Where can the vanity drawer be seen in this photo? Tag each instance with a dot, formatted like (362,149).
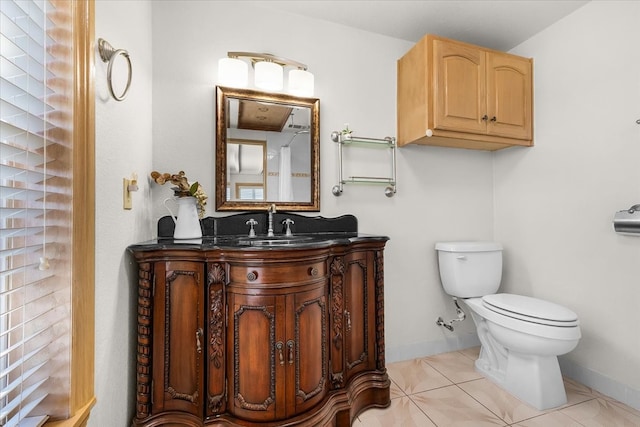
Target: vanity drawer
(277,273)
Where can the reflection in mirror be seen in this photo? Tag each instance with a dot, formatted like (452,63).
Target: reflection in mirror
(267,151)
(246,165)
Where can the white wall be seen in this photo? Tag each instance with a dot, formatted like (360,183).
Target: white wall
(123,146)
(555,202)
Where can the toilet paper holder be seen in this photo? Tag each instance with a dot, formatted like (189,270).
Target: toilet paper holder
(627,221)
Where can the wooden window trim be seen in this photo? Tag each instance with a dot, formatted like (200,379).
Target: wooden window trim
(82,396)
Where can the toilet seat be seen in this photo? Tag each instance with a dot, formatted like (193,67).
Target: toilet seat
(530,309)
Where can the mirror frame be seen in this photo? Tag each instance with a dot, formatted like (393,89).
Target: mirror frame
(222,96)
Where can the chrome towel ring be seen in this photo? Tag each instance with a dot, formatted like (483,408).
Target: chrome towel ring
(109,54)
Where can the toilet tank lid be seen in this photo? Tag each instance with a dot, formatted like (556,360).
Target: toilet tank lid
(468,246)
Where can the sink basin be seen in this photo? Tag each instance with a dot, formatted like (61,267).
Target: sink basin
(273,241)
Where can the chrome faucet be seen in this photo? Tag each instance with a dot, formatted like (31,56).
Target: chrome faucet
(272,210)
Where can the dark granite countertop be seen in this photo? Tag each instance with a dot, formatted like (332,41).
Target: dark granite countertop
(260,242)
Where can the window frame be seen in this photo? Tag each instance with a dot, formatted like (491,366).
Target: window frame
(82,397)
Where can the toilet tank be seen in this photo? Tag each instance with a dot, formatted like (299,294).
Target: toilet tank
(470,269)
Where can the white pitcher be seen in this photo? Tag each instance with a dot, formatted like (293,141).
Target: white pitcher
(187,221)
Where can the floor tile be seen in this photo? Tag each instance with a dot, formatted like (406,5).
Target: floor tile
(402,413)
(413,376)
(602,413)
(455,366)
(506,406)
(395,391)
(577,393)
(472,353)
(552,419)
(452,407)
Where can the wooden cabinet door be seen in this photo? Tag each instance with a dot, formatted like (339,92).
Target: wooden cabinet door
(459,87)
(178,340)
(509,96)
(359,313)
(307,379)
(255,340)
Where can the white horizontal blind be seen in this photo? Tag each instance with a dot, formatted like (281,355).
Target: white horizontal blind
(36,94)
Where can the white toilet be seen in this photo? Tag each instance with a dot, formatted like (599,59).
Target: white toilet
(521,337)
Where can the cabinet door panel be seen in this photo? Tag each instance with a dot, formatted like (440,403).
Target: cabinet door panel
(509,96)
(252,335)
(311,354)
(459,93)
(182,347)
(359,313)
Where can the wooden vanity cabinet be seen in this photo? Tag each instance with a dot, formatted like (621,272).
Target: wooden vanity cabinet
(464,96)
(237,337)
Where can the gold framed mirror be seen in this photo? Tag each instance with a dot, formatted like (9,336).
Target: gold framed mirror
(267,151)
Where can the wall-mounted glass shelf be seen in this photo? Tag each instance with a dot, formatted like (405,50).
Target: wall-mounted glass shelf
(347,139)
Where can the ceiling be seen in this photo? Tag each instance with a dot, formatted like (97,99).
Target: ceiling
(496,24)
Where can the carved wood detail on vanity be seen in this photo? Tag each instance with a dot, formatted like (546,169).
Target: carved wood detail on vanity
(379,274)
(143,368)
(216,390)
(337,308)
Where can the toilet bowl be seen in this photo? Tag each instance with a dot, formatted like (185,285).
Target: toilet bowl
(521,336)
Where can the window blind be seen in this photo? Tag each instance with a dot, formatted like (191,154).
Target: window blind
(36,112)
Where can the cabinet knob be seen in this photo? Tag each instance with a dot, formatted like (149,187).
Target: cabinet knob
(493,119)
(313,271)
(252,275)
(485,118)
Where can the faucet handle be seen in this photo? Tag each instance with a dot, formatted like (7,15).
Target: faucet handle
(287,223)
(251,222)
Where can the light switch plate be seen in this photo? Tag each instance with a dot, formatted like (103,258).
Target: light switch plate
(127,203)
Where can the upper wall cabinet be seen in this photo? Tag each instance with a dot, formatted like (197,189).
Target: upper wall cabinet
(454,94)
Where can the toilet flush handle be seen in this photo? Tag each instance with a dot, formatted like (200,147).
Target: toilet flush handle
(461,257)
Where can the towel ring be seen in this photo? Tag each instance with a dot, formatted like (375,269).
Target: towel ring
(109,54)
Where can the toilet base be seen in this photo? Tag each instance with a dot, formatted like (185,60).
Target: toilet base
(536,380)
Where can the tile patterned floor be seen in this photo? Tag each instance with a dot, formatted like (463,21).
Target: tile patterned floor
(445,391)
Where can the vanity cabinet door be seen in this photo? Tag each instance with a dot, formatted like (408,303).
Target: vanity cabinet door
(178,338)
(279,359)
(256,349)
(307,377)
(359,313)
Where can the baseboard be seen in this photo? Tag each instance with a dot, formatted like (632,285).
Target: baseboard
(600,383)
(429,348)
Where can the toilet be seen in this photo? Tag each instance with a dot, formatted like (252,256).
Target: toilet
(521,336)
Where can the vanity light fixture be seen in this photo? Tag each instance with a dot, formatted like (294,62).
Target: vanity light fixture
(268,73)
